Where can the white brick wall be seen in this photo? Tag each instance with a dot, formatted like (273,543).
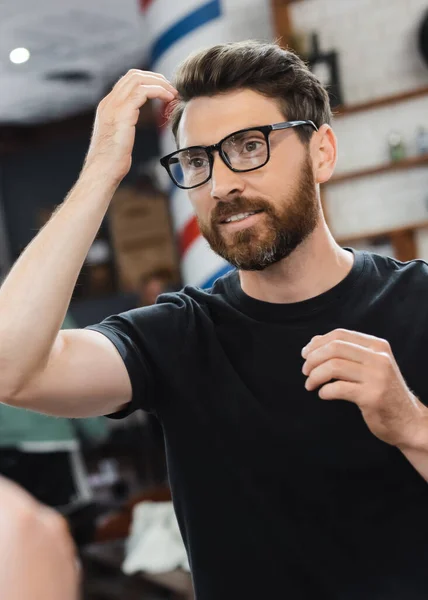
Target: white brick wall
(376,42)
(384,201)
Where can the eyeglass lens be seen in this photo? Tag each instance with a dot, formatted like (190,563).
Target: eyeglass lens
(243,152)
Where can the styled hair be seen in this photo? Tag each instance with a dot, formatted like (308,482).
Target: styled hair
(262,67)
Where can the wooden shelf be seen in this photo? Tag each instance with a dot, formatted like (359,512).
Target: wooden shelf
(341,111)
(406,163)
(381,233)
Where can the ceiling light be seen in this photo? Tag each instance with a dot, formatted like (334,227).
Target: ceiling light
(19,55)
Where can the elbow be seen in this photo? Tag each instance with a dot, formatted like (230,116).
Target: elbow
(8,396)
(10,392)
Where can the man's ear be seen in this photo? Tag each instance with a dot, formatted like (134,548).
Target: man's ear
(324,153)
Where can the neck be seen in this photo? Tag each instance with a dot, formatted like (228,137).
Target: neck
(313,268)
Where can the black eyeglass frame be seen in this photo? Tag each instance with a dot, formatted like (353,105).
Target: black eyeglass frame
(265,129)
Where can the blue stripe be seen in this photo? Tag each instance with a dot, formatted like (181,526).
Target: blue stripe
(202,15)
(210,282)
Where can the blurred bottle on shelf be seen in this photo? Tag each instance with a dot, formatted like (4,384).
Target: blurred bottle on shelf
(397,150)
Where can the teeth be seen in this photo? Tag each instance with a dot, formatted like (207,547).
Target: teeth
(239,217)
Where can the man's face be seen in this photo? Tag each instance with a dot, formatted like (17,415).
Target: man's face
(283,192)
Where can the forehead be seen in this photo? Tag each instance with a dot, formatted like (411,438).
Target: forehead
(206,120)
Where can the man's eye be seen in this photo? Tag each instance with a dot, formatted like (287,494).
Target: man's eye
(252,146)
(197,163)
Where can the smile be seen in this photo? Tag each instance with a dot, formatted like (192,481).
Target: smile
(240,216)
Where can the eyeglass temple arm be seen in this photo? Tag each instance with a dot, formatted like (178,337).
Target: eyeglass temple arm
(293,124)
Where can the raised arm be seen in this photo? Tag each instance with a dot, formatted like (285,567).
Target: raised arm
(37,361)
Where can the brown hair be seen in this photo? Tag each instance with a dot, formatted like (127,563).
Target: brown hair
(263,67)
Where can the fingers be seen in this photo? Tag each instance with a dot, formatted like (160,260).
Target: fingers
(134,79)
(336,368)
(132,91)
(345,335)
(345,357)
(132,72)
(154,91)
(336,349)
(135,73)
(338,355)
(343,390)
(116,117)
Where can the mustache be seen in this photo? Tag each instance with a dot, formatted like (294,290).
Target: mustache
(224,210)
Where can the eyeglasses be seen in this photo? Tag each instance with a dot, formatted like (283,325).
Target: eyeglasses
(242,151)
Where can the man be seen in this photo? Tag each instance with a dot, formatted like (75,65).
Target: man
(38,555)
(292,394)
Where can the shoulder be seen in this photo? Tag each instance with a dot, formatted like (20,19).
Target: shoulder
(395,287)
(170,321)
(415,270)
(172,313)
(194,299)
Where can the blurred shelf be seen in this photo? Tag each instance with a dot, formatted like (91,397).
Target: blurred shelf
(396,231)
(341,111)
(407,163)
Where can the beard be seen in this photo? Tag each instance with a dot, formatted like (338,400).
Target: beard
(283,229)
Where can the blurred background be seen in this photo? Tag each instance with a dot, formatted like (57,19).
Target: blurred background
(57,60)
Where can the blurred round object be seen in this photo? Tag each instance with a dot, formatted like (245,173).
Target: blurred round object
(423,37)
(98,253)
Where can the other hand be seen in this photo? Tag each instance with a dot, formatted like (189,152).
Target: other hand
(360,368)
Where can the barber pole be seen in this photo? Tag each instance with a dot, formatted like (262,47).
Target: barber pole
(177,28)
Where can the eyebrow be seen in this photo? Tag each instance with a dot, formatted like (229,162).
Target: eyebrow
(221,139)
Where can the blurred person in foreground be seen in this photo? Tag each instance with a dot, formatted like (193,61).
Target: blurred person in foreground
(293,393)
(38,558)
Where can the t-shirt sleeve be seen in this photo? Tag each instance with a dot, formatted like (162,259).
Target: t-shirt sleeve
(147,339)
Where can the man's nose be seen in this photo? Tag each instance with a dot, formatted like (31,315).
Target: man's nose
(225,183)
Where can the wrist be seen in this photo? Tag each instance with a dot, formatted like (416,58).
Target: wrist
(416,436)
(95,175)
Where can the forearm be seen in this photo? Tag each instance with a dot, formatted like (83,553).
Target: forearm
(35,296)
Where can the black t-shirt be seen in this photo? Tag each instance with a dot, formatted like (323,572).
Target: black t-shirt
(280,494)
